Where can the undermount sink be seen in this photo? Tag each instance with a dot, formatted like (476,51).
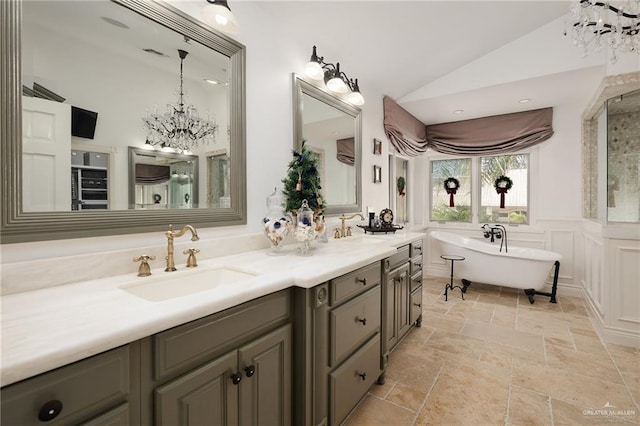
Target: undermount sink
(185,282)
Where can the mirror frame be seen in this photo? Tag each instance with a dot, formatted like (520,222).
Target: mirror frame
(301,87)
(19,226)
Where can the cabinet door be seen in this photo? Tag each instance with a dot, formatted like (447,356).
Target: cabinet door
(265,391)
(403,306)
(205,396)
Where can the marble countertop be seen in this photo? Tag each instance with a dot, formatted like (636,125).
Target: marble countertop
(51,327)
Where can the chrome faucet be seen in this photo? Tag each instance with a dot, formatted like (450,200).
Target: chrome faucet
(343,218)
(171,234)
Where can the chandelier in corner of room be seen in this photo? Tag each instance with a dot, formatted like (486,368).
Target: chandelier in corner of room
(180,128)
(615,24)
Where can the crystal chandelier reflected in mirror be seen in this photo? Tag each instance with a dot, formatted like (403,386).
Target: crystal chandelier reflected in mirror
(615,24)
(180,128)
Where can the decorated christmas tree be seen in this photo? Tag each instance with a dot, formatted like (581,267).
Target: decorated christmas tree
(303,181)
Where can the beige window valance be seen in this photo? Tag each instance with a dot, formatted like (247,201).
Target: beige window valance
(496,134)
(405,132)
(346,151)
(151,174)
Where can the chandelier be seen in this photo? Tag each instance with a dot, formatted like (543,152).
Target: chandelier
(597,24)
(180,128)
(335,80)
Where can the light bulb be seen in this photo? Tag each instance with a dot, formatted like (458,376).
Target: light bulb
(313,70)
(355,98)
(220,17)
(337,85)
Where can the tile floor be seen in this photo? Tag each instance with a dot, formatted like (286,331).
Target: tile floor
(495,359)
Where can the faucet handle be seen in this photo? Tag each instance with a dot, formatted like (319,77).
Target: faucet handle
(144,270)
(191,259)
(336,233)
(348,231)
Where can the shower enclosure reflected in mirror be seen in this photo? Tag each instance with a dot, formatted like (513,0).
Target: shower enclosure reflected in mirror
(332,129)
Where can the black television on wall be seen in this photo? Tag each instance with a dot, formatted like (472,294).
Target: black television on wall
(83,122)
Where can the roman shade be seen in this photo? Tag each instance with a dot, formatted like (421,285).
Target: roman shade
(150,174)
(496,134)
(346,151)
(405,132)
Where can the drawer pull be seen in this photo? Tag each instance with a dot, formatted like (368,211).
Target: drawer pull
(362,280)
(418,264)
(250,370)
(363,376)
(236,378)
(419,305)
(362,320)
(50,410)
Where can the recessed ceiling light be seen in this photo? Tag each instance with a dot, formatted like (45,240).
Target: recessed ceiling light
(524,101)
(458,111)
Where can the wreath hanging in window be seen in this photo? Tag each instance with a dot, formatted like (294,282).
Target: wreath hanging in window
(451,185)
(400,184)
(502,185)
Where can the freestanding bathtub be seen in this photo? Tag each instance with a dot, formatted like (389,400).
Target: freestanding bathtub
(521,267)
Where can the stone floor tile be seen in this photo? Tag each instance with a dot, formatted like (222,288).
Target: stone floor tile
(407,397)
(413,371)
(373,411)
(504,335)
(381,391)
(528,408)
(443,322)
(455,343)
(595,366)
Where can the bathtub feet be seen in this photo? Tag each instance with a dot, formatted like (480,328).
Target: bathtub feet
(530,293)
(554,288)
(465,284)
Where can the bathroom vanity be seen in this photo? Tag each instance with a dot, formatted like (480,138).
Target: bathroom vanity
(300,346)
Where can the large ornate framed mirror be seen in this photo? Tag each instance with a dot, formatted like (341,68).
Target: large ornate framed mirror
(93,75)
(332,129)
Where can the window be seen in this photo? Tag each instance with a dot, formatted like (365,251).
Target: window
(442,170)
(477,195)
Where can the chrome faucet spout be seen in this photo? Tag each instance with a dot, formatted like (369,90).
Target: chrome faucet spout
(171,234)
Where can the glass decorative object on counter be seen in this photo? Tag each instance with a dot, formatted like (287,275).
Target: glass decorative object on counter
(277,223)
(305,231)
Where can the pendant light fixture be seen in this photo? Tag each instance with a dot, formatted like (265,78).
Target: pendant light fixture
(217,14)
(335,80)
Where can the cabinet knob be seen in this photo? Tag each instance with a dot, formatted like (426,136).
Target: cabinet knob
(362,320)
(363,376)
(236,378)
(50,410)
(250,370)
(362,280)
(419,305)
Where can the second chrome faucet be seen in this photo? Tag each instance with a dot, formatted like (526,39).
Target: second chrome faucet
(171,234)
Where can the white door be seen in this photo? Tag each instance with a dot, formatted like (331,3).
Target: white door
(46,155)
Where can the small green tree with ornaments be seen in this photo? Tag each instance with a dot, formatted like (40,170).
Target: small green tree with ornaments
(303,181)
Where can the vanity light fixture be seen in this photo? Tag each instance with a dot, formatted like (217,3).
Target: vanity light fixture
(335,80)
(597,24)
(217,13)
(180,128)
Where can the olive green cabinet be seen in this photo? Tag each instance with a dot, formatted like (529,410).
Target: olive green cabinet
(99,390)
(248,386)
(233,367)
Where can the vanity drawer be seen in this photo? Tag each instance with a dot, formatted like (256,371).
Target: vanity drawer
(355,282)
(189,345)
(77,392)
(416,248)
(416,281)
(353,323)
(351,381)
(416,265)
(416,305)
(401,256)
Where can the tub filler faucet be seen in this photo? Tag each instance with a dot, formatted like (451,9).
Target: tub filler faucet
(496,232)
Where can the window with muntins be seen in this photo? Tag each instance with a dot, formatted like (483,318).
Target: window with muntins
(477,195)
